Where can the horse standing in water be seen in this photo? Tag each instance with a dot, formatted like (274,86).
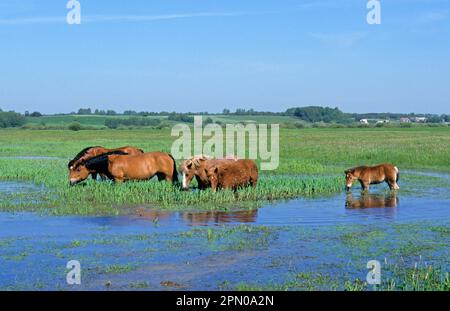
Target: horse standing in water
(91,152)
(369,175)
(121,167)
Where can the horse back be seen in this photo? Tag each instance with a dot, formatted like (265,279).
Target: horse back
(377,173)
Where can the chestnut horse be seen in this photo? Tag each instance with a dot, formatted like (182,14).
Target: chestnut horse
(93,166)
(121,167)
(195,167)
(232,174)
(90,152)
(368,175)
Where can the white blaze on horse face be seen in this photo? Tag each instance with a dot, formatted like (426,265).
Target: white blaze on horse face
(184,180)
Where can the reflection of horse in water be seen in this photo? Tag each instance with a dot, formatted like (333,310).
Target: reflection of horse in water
(152,214)
(200,218)
(371,201)
(203,218)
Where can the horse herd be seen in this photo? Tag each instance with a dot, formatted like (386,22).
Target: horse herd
(130,163)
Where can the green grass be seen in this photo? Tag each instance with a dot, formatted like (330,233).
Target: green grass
(401,279)
(119,268)
(311,162)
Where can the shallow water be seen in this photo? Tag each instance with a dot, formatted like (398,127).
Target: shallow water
(152,249)
(17,187)
(31,157)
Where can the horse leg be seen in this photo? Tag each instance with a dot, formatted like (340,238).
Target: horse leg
(393,184)
(364,186)
(161,176)
(168,179)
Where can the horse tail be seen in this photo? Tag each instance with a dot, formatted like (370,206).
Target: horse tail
(175,172)
(398,174)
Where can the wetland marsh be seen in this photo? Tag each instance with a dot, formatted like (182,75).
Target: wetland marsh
(298,230)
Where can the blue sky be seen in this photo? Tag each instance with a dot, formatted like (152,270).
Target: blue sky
(204,55)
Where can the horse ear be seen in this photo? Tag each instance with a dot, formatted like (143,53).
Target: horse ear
(216,170)
(189,166)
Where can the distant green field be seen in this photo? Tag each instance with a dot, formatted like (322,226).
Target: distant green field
(86,120)
(426,148)
(250,118)
(99,120)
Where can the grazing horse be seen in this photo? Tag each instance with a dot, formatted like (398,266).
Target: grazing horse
(195,167)
(368,175)
(121,167)
(232,174)
(90,152)
(95,165)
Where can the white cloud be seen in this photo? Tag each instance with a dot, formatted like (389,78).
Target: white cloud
(117,18)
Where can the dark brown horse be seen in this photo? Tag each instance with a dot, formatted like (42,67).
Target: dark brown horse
(232,174)
(368,175)
(91,152)
(121,167)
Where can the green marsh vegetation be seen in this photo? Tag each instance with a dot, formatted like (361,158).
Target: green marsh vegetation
(311,163)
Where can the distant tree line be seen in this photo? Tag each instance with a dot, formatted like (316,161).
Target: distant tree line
(315,114)
(35,114)
(309,114)
(114,123)
(11,119)
(88,111)
(250,112)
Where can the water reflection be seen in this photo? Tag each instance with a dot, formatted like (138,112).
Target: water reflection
(200,218)
(367,200)
(203,218)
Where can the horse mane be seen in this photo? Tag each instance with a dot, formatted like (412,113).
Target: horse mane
(196,159)
(80,154)
(100,162)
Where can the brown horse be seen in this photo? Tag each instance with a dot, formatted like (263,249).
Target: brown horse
(195,167)
(90,152)
(368,175)
(232,174)
(93,166)
(121,167)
